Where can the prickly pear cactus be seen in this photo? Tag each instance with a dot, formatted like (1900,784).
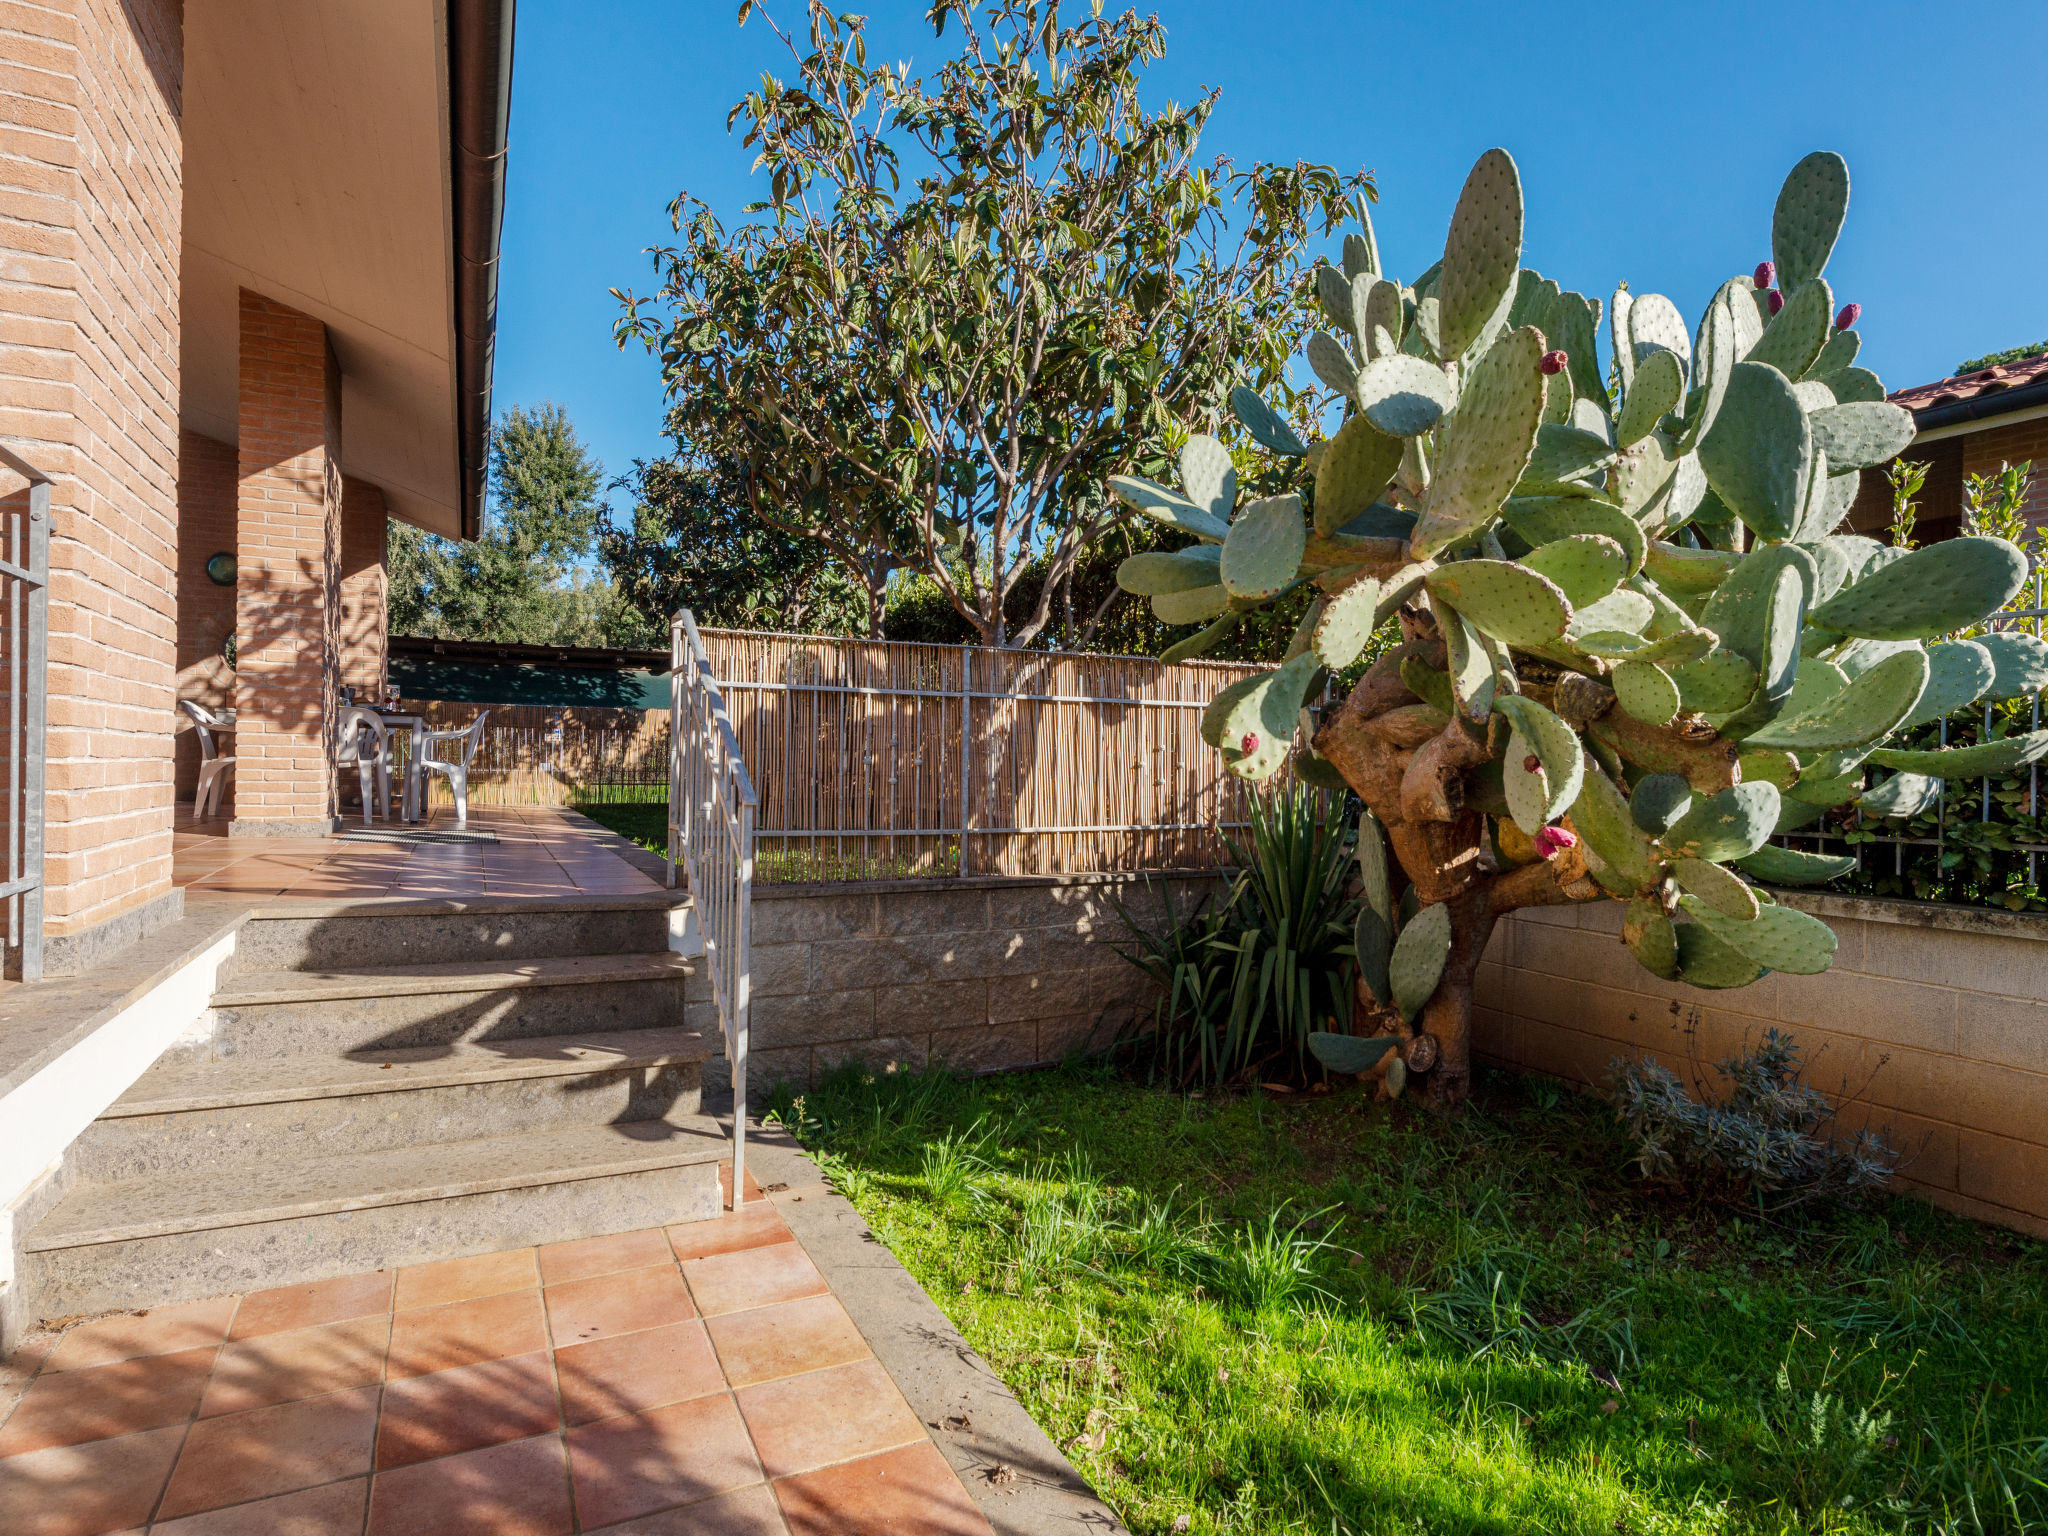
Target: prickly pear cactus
(1634,645)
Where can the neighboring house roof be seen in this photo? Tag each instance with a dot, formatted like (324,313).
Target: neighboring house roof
(554,676)
(1982,396)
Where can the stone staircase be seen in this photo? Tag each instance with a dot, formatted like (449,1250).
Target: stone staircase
(385,1083)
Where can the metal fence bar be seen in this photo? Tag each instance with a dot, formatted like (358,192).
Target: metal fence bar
(711,836)
(25,537)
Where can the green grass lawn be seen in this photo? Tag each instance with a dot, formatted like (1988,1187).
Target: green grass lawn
(646,823)
(1321,1314)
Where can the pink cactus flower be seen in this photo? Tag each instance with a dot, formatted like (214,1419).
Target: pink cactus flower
(1552,841)
(1777,301)
(1850,314)
(1250,744)
(1553,362)
(1765,272)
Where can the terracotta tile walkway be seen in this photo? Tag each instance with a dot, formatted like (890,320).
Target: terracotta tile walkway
(539,852)
(701,1381)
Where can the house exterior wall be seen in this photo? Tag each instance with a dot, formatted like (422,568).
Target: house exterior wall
(206,612)
(90,220)
(365,524)
(1933,1019)
(288,587)
(2025,441)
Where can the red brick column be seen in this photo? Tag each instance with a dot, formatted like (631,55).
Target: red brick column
(288,591)
(364,525)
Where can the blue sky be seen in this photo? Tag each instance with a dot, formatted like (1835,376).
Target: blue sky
(1651,141)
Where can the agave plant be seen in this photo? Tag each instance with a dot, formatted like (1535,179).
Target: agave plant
(1634,645)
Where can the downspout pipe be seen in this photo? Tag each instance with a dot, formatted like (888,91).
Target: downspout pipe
(480,106)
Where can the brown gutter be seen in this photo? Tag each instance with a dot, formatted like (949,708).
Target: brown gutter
(480,106)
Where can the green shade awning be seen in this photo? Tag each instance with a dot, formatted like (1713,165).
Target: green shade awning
(467,681)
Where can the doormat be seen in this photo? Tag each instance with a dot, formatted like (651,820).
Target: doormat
(414,835)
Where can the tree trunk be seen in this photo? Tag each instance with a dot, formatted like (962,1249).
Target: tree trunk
(1448,1013)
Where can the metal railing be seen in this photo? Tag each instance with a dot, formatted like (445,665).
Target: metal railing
(711,806)
(2027,620)
(24,675)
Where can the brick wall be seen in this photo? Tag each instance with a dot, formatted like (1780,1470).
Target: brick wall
(1935,1018)
(1984,452)
(287,594)
(976,974)
(365,523)
(206,611)
(90,208)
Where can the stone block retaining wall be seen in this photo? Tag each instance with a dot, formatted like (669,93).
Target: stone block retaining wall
(978,974)
(1934,1018)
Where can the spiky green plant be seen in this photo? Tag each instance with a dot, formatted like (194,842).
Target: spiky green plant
(1634,644)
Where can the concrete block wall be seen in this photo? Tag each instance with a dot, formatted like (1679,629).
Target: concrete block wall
(977,974)
(1933,1018)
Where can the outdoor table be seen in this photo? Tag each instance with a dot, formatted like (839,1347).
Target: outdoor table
(410,808)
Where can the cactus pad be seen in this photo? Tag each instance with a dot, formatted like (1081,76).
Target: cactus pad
(1503,600)
(1730,825)
(1417,963)
(1269,714)
(1678,648)
(1901,795)
(1372,866)
(1853,384)
(1863,432)
(1181,571)
(1361,254)
(2020,662)
(1207,475)
(1429,685)
(1263,550)
(1929,592)
(1485,444)
(1868,710)
(1525,784)
(1380,521)
(1347,623)
(1381,311)
(1565,457)
(1958,673)
(1811,206)
(1602,817)
(1785,866)
(1191,605)
(1839,353)
(1482,254)
(1585,567)
(1350,1053)
(1655,325)
(1204,642)
(1356,469)
(1659,801)
(1373,938)
(1401,395)
(1797,332)
(1778,938)
(1991,757)
(1333,365)
(1651,938)
(1658,388)
(1264,423)
(1727,894)
(1719,683)
(1333,288)
(1546,519)
(1556,746)
(1162,505)
(1704,961)
(1688,570)
(1741,610)
(1760,452)
(1620,610)
(1216,713)
(1646,691)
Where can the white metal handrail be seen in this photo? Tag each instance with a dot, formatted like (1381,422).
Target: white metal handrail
(711,806)
(24,677)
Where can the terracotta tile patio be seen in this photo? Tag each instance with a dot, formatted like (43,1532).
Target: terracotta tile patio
(540,851)
(701,1381)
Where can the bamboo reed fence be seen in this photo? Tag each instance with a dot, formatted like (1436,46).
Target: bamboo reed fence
(881,759)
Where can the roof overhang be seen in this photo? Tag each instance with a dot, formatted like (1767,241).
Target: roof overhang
(346,157)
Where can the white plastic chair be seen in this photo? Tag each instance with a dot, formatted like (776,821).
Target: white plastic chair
(213,768)
(457,771)
(365,742)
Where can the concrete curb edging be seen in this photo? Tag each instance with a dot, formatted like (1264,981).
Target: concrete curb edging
(1009,1466)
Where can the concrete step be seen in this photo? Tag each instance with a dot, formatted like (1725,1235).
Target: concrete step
(338,1012)
(184,1116)
(247,1224)
(393,931)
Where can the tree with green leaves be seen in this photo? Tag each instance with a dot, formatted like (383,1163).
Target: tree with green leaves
(1635,648)
(525,579)
(943,374)
(694,542)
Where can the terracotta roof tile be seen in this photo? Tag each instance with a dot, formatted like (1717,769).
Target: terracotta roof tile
(1969,386)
